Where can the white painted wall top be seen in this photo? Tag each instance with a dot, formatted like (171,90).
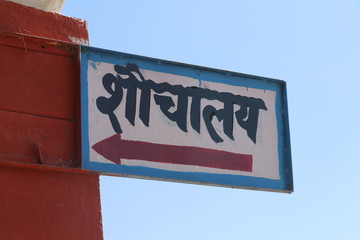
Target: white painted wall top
(45,5)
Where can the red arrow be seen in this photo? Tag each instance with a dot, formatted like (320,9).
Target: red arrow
(114,148)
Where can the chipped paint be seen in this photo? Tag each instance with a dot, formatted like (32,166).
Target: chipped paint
(80,41)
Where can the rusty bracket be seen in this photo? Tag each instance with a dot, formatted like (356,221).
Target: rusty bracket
(38,150)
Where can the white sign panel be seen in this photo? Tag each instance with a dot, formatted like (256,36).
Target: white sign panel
(150,118)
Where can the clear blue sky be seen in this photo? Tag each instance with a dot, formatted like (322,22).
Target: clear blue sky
(315,47)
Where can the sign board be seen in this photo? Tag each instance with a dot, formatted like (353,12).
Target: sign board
(156,119)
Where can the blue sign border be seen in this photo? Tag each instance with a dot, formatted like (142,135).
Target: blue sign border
(284,184)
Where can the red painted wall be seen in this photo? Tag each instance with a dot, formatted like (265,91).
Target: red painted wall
(39,101)
(44,194)
(18,18)
(36,204)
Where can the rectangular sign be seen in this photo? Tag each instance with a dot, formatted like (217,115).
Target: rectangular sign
(151,118)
